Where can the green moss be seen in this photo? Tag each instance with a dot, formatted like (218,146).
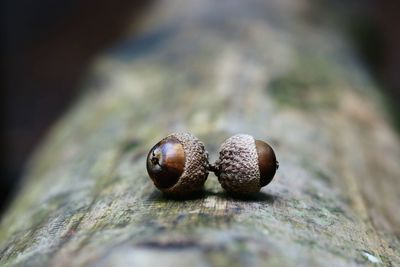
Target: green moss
(386,260)
(311,84)
(129,145)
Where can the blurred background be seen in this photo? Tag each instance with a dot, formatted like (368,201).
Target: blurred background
(47,47)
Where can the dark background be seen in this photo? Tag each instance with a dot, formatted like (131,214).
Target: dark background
(48,45)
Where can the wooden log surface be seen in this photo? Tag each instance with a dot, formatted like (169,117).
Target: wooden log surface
(273,69)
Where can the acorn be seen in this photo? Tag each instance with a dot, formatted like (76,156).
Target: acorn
(245,165)
(178,164)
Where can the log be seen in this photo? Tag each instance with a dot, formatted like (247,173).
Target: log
(274,70)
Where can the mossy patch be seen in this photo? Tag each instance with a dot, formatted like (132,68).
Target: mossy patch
(310,85)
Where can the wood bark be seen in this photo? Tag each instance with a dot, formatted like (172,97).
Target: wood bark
(275,70)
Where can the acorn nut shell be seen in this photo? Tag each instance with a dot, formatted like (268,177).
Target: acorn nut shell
(177,164)
(245,164)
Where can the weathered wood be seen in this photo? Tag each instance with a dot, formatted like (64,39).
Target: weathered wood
(217,69)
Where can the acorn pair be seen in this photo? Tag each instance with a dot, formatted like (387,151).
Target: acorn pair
(178,164)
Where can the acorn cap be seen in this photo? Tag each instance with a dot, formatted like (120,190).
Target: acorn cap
(245,164)
(195,166)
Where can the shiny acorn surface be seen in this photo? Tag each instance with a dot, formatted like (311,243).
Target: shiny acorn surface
(166,162)
(266,162)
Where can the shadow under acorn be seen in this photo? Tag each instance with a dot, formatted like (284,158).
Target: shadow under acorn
(158,196)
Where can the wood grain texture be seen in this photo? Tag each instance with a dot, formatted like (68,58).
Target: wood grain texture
(216,69)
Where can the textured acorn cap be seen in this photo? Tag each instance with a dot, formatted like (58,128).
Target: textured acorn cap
(195,168)
(238,166)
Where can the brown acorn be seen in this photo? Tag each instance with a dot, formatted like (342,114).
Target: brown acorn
(178,164)
(245,164)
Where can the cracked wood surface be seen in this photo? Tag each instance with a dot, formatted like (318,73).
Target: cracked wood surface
(217,69)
